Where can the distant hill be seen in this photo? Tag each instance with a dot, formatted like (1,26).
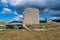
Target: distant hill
(39,21)
(16,22)
(56,20)
(42,21)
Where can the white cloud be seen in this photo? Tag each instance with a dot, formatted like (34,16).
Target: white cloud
(6,10)
(15,13)
(18,18)
(42,19)
(15,2)
(4,3)
(46,10)
(53,18)
(21,16)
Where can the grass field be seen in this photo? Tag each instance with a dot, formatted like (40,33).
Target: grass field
(46,25)
(29,35)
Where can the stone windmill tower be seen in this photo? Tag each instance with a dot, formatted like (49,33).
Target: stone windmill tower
(31,16)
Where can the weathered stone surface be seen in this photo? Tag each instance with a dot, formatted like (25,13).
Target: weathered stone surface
(31,16)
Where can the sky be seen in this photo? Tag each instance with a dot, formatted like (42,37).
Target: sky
(12,10)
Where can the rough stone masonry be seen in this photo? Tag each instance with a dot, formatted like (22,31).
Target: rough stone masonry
(31,16)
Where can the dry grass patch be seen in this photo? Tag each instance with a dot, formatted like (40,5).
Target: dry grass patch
(27,35)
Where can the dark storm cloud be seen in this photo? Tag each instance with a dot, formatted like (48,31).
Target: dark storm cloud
(53,4)
(40,4)
(55,13)
(45,5)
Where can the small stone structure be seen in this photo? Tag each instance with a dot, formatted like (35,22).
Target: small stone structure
(48,21)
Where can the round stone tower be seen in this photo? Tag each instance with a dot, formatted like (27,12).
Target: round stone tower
(31,16)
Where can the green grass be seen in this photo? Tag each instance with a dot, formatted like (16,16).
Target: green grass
(0,27)
(47,25)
